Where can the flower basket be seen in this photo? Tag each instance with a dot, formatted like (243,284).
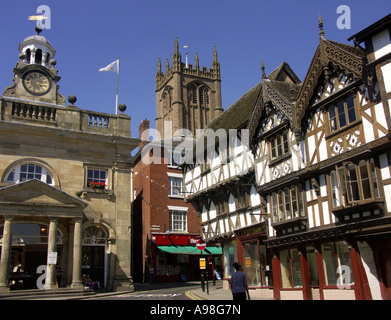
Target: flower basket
(97,185)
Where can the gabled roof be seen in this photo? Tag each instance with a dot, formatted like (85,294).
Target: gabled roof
(245,112)
(347,57)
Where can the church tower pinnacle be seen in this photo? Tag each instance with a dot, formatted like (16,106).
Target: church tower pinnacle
(187,97)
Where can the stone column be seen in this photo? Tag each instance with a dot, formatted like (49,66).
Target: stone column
(50,281)
(6,254)
(76,274)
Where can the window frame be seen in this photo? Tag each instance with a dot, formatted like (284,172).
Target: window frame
(171,187)
(279,203)
(94,179)
(182,214)
(336,257)
(16,172)
(290,265)
(279,141)
(337,113)
(349,189)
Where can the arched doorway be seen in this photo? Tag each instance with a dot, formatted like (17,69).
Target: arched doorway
(29,252)
(94,260)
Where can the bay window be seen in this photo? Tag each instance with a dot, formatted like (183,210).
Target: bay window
(287,203)
(354,183)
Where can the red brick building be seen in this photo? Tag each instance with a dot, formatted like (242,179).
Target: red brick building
(165,227)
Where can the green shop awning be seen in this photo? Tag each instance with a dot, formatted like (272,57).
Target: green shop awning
(189,250)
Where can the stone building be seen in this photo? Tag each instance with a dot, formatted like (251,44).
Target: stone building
(65,182)
(187,97)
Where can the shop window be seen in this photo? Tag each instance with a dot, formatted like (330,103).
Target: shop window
(29,171)
(358,179)
(178,220)
(288,203)
(290,269)
(312,266)
(229,252)
(256,265)
(337,264)
(342,113)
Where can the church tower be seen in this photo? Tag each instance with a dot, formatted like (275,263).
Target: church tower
(187,97)
(35,77)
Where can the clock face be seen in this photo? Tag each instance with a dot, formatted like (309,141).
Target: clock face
(36,82)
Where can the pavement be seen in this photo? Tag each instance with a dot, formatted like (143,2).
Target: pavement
(210,292)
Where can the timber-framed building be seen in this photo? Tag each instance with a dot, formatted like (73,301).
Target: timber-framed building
(304,200)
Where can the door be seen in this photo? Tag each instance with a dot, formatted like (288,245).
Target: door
(93,263)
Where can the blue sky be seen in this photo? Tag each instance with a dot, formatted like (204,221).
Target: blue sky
(88,35)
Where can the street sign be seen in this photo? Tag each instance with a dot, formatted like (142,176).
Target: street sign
(202,263)
(201,245)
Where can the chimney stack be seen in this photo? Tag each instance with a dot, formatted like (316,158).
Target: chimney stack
(144,125)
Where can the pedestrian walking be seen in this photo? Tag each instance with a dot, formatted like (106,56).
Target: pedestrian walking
(239,285)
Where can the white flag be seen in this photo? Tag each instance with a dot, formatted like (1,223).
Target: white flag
(111,67)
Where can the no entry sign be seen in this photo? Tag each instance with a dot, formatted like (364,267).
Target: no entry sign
(201,245)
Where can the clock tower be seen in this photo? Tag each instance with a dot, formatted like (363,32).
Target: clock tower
(35,76)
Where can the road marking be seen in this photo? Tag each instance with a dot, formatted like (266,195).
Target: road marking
(188,294)
(153,295)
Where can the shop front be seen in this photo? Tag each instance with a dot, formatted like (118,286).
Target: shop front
(175,258)
(248,247)
(340,263)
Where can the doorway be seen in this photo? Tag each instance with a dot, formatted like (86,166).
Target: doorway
(93,263)
(94,254)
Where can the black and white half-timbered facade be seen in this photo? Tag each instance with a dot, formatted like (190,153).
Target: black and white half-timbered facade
(302,193)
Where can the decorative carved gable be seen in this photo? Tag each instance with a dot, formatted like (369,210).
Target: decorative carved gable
(347,58)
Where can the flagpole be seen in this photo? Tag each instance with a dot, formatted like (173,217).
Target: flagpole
(116,96)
